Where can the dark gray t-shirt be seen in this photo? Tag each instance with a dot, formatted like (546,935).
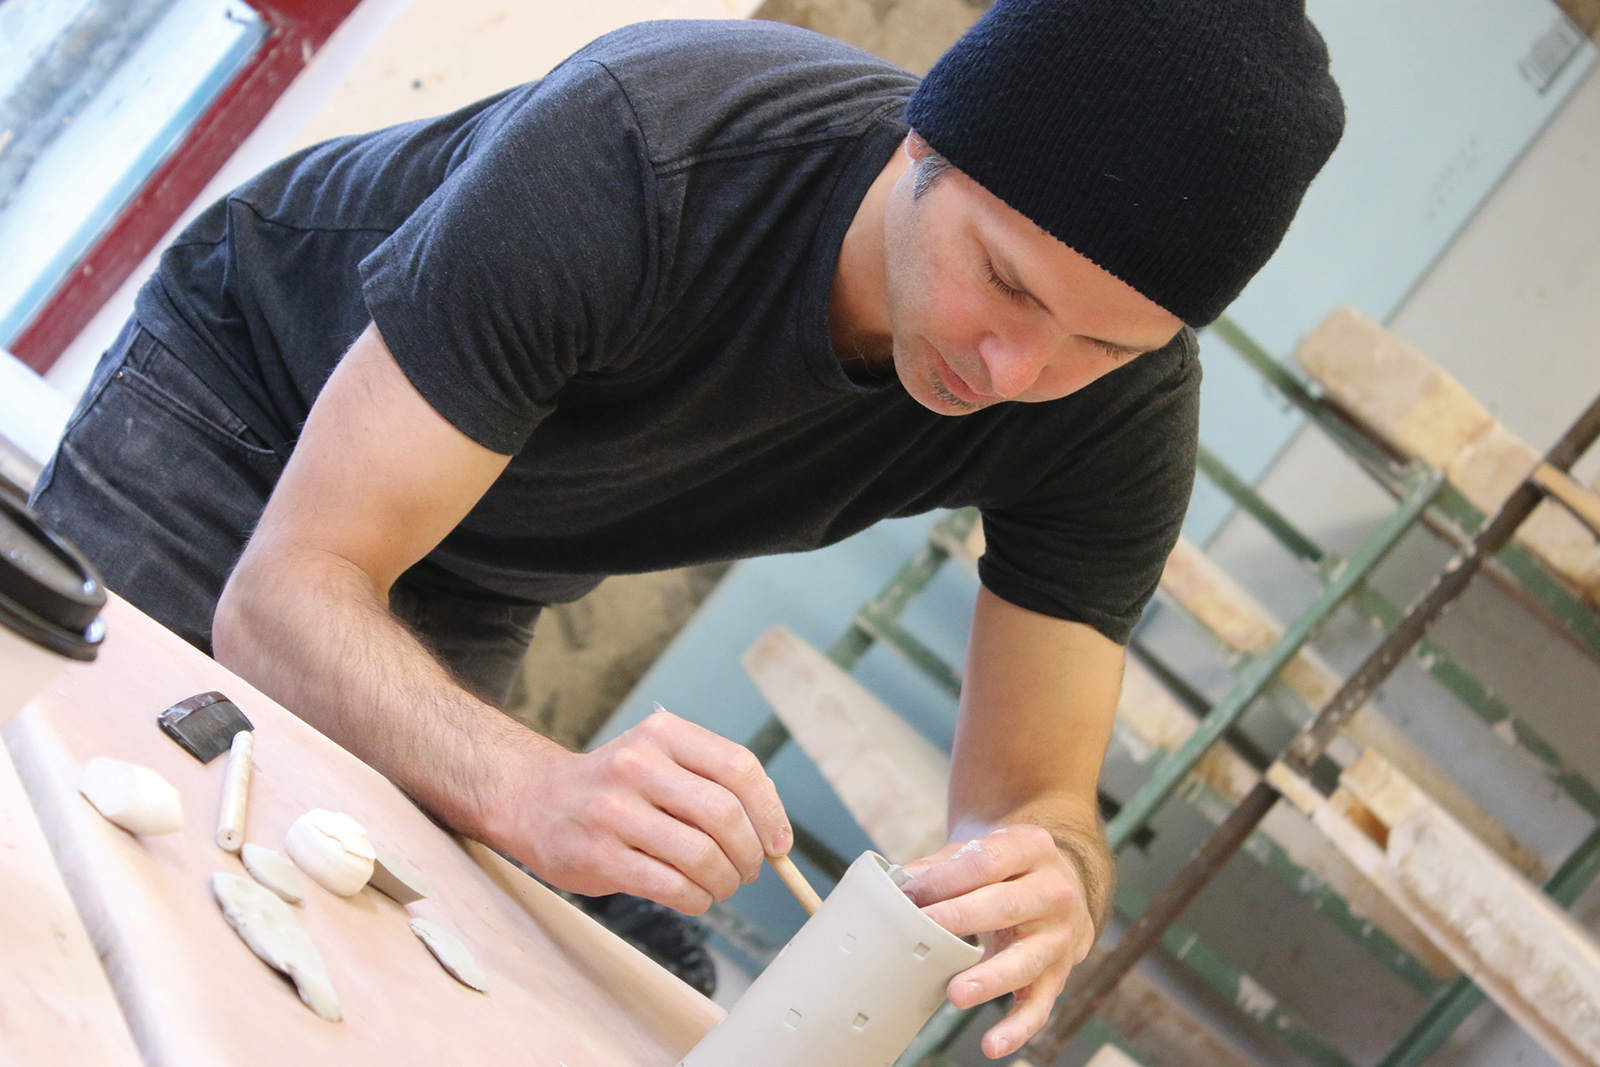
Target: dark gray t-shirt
(619,275)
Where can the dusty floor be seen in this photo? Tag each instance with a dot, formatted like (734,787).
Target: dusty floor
(587,655)
(912,33)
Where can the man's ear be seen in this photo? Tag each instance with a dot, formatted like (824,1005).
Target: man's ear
(916,147)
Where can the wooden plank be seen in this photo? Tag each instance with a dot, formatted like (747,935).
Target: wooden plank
(192,992)
(1421,411)
(1111,1056)
(895,784)
(972,546)
(55,1003)
(1397,391)
(1150,720)
(1528,955)
(1242,624)
(891,778)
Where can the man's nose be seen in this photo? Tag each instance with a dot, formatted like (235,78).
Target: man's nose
(1013,364)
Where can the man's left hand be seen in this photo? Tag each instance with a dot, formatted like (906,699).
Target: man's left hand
(1025,901)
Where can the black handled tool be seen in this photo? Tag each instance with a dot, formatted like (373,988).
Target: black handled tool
(204,725)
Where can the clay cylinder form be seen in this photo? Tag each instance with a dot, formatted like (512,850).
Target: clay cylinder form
(851,989)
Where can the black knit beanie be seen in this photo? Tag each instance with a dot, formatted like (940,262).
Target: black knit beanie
(1169,141)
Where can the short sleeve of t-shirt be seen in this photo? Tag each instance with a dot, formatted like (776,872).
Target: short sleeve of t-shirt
(532,262)
(1089,542)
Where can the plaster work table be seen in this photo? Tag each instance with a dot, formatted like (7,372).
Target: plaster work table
(563,991)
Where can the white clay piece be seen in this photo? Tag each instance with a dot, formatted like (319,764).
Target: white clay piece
(266,924)
(273,870)
(332,849)
(452,955)
(135,798)
(397,879)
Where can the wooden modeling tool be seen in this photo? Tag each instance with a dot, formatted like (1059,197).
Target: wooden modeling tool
(796,882)
(235,792)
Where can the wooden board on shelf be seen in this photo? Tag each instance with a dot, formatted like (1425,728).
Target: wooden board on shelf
(194,994)
(1411,403)
(1150,720)
(1528,955)
(1194,582)
(891,778)
(1111,1056)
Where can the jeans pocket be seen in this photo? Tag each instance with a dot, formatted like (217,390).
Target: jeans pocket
(162,380)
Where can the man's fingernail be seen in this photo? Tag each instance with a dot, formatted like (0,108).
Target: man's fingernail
(974,989)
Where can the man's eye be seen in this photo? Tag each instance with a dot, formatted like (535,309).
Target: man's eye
(1121,355)
(1000,283)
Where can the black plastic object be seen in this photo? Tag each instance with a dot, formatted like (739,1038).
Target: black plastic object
(204,725)
(49,594)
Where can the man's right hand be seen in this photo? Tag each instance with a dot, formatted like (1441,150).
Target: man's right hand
(669,811)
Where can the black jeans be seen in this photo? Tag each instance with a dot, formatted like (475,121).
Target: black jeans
(160,484)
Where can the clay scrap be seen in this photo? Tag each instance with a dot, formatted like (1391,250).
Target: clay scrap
(266,924)
(452,955)
(396,878)
(273,870)
(332,848)
(135,798)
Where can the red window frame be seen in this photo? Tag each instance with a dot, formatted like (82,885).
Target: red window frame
(296,29)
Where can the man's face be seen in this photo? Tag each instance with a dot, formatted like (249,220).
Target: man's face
(984,306)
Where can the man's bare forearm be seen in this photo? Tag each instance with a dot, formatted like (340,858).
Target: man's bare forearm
(311,631)
(668,810)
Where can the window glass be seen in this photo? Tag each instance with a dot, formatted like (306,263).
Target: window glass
(94,94)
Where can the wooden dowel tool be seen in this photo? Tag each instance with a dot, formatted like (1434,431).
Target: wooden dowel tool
(796,882)
(1583,503)
(235,793)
